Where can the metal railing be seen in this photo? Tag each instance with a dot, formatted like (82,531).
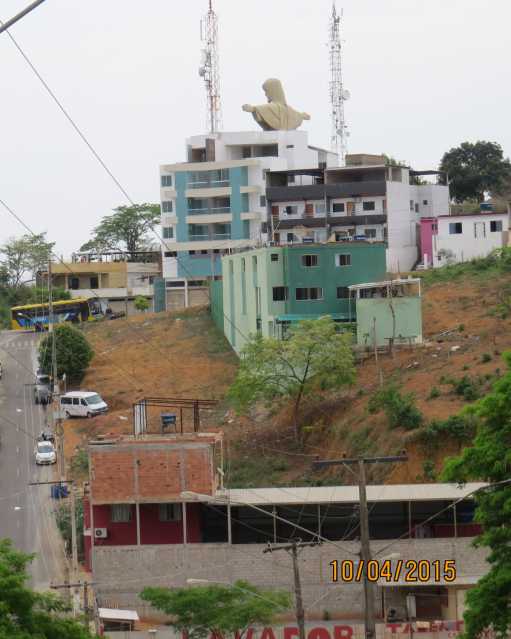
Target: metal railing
(211,236)
(208,184)
(210,211)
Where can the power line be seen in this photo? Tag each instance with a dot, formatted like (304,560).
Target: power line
(5,25)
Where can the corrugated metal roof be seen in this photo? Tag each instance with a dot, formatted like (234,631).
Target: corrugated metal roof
(347,494)
(114,614)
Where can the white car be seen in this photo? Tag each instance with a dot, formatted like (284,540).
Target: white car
(45,453)
(82,404)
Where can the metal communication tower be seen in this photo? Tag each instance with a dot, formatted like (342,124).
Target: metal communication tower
(209,68)
(338,94)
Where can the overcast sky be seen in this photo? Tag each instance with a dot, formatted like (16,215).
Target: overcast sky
(423,77)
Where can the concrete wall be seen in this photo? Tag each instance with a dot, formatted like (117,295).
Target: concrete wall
(408,314)
(122,572)
(401,228)
(176,297)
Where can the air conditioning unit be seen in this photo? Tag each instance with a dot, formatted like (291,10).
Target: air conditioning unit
(100,533)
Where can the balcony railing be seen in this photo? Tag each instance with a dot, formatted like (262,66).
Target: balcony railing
(212,236)
(208,184)
(210,211)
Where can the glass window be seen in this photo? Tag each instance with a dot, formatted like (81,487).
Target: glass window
(166,206)
(168,232)
(424,202)
(495,226)
(169,512)
(343,292)
(279,293)
(320,208)
(170,253)
(120,512)
(262,201)
(314,293)
(290,237)
(416,208)
(368,206)
(74,283)
(370,233)
(94,281)
(76,401)
(338,207)
(411,205)
(274,257)
(166,180)
(309,260)
(291,210)
(290,179)
(455,228)
(343,259)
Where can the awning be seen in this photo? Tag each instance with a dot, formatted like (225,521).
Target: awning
(300,318)
(114,614)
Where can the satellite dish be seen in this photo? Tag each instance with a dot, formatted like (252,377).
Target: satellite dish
(346,95)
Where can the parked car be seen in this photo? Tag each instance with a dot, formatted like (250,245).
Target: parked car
(42,389)
(82,404)
(45,453)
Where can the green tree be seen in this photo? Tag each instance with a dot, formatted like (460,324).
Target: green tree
(489,459)
(22,257)
(475,169)
(25,613)
(73,352)
(125,230)
(141,303)
(315,357)
(217,609)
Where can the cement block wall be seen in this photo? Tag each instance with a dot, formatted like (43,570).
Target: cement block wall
(122,572)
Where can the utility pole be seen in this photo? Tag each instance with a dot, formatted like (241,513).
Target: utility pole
(292,549)
(79,584)
(57,421)
(365,547)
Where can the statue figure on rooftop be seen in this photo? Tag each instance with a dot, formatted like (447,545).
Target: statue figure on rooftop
(276,115)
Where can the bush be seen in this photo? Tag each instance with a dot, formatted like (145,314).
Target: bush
(486,358)
(141,303)
(467,388)
(400,409)
(73,352)
(434,393)
(80,463)
(460,427)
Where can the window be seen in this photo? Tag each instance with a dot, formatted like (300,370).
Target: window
(169,512)
(66,400)
(279,293)
(455,228)
(166,180)
(74,283)
(120,512)
(166,206)
(320,208)
(343,259)
(204,252)
(262,201)
(290,237)
(416,208)
(309,260)
(290,179)
(368,206)
(424,202)
(291,210)
(495,226)
(370,233)
(191,252)
(338,207)
(343,292)
(168,232)
(94,283)
(170,253)
(412,208)
(314,293)
(274,257)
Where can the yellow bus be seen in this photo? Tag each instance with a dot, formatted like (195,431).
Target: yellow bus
(34,317)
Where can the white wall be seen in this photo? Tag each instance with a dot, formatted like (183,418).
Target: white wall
(401,227)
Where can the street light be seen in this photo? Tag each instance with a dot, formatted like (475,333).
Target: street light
(206,582)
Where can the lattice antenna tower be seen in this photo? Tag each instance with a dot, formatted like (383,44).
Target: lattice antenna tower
(338,94)
(209,68)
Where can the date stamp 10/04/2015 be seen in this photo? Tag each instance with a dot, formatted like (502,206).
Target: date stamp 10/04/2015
(410,571)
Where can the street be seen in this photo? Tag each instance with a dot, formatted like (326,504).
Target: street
(25,511)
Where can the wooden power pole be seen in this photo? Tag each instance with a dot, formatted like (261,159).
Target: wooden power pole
(365,547)
(293,548)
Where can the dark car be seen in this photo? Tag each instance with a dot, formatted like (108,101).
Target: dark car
(42,389)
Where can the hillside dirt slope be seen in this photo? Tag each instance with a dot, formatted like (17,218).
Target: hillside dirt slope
(183,355)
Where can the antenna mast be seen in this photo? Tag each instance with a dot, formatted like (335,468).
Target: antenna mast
(338,95)
(209,68)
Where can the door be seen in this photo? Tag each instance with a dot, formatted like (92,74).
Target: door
(309,210)
(76,407)
(350,208)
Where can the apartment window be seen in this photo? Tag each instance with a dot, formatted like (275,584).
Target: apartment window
(495,226)
(120,513)
(216,251)
(313,293)
(343,259)
(262,201)
(343,292)
(168,232)
(368,206)
(170,253)
(412,208)
(166,206)
(191,252)
(290,179)
(291,210)
(370,233)
(274,257)
(169,512)
(204,252)
(166,180)
(279,293)
(290,237)
(320,208)
(74,283)
(455,228)
(338,207)
(309,260)
(416,208)
(424,202)
(94,281)
(434,227)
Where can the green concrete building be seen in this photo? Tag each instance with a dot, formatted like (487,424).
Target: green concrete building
(265,290)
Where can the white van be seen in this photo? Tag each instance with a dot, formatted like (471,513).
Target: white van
(82,404)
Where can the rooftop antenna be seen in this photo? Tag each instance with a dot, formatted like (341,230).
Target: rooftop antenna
(209,68)
(338,94)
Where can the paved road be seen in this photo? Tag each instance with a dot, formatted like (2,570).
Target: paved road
(25,511)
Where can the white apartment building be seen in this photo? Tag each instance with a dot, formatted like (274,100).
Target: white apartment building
(216,200)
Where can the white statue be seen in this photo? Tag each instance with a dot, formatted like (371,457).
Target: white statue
(276,115)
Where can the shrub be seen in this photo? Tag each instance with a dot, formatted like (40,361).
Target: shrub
(434,393)
(428,469)
(486,358)
(141,303)
(73,352)
(467,388)
(461,328)
(460,427)
(400,409)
